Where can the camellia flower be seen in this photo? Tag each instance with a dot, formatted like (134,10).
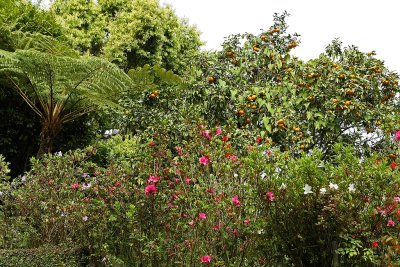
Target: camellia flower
(233,157)
(307,189)
(235,201)
(270,196)
(322,190)
(247,221)
(179,150)
(150,189)
(187,180)
(205,259)
(390,223)
(352,188)
(204,160)
(333,186)
(219,131)
(398,135)
(394,165)
(375,244)
(202,216)
(206,134)
(235,231)
(75,186)
(396,199)
(153,179)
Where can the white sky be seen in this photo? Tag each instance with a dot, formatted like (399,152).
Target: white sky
(370,25)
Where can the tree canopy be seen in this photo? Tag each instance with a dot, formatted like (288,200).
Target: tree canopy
(128,33)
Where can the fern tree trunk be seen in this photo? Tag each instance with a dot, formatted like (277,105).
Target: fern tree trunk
(51,127)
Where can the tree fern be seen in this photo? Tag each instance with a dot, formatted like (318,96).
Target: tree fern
(60,88)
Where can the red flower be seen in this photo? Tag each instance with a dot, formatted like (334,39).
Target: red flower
(151,144)
(225,138)
(394,165)
(375,244)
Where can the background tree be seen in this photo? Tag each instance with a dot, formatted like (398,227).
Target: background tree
(338,97)
(129,33)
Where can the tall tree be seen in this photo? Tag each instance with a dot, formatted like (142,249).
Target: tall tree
(129,33)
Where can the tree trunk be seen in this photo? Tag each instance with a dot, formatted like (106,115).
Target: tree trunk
(47,136)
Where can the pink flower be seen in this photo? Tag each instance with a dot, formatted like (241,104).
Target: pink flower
(205,259)
(191,223)
(187,180)
(202,216)
(153,179)
(206,134)
(219,131)
(233,157)
(179,150)
(247,221)
(204,160)
(235,201)
(270,196)
(150,189)
(396,199)
(398,135)
(151,144)
(235,231)
(390,223)
(75,186)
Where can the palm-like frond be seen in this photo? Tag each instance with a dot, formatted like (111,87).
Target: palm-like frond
(74,83)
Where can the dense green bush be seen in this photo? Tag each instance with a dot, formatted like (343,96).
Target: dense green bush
(42,257)
(219,194)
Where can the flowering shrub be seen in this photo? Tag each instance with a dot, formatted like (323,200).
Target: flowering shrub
(262,208)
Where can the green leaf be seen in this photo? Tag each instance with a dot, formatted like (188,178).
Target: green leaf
(271,66)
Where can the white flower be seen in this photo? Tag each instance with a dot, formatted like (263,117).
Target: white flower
(1,193)
(59,153)
(307,189)
(86,186)
(333,186)
(352,188)
(23,179)
(235,175)
(263,174)
(282,187)
(85,218)
(322,190)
